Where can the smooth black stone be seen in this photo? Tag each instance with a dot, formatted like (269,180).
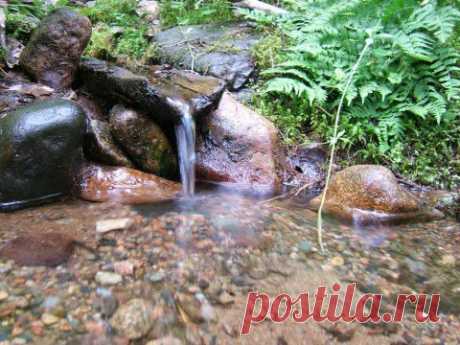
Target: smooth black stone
(40,148)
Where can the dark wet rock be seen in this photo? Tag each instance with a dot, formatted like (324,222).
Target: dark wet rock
(144,141)
(95,109)
(366,194)
(53,52)
(40,147)
(16,91)
(239,148)
(125,186)
(220,51)
(100,146)
(14,50)
(133,319)
(306,169)
(39,249)
(165,95)
(244,96)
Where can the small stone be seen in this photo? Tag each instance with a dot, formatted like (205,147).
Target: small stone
(305,247)
(36,328)
(226,299)
(337,261)
(124,268)
(6,268)
(448,260)
(106,303)
(3,295)
(104,226)
(49,319)
(7,309)
(132,319)
(108,278)
(157,277)
(169,340)
(190,306)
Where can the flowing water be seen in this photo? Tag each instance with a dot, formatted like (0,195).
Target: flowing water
(185,136)
(198,257)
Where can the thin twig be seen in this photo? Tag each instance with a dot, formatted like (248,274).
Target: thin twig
(369,42)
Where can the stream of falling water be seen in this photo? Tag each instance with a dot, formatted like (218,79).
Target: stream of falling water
(185,136)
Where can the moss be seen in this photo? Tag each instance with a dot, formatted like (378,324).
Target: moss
(267,51)
(190,12)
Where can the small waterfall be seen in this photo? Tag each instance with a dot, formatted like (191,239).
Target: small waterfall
(185,136)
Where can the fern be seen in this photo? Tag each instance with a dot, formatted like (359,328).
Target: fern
(408,83)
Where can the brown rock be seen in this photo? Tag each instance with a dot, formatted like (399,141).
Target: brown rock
(53,52)
(239,148)
(371,194)
(144,141)
(100,146)
(133,319)
(165,95)
(16,91)
(125,186)
(39,249)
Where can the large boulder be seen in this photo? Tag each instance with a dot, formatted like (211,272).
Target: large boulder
(40,145)
(125,186)
(53,52)
(165,95)
(239,148)
(366,194)
(144,141)
(220,51)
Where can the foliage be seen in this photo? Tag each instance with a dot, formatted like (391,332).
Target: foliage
(407,88)
(189,12)
(267,51)
(22,18)
(118,30)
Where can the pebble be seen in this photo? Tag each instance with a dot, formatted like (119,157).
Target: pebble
(157,277)
(108,278)
(124,268)
(106,303)
(104,226)
(49,319)
(448,260)
(225,298)
(305,247)
(337,261)
(3,295)
(133,319)
(166,341)
(6,268)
